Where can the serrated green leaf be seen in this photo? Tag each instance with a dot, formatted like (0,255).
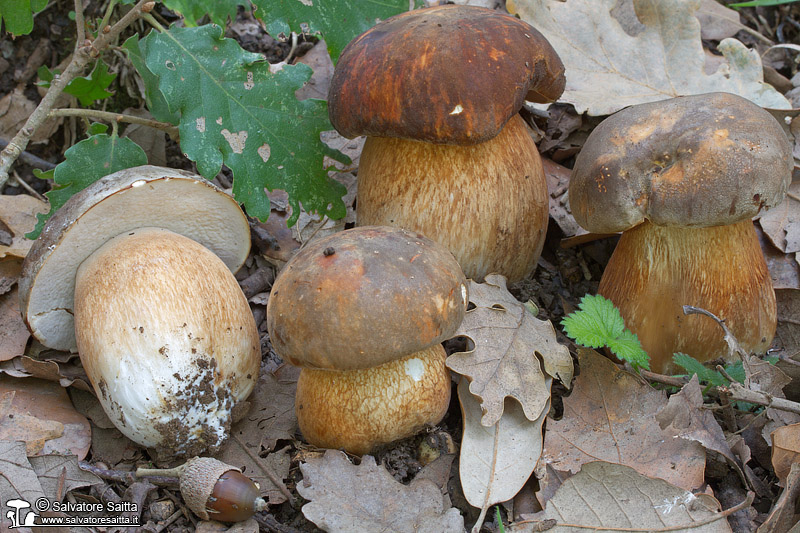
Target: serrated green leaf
(44,174)
(338,22)
(238,110)
(155,101)
(598,323)
(17,15)
(85,163)
(92,87)
(695,367)
(219,11)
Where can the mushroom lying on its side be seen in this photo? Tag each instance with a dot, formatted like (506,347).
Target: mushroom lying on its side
(143,260)
(682,178)
(364,312)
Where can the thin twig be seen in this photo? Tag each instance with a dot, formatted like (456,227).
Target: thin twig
(739,393)
(267,471)
(80,59)
(80,25)
(126,477)
(25,185)
(673,381)
(30,159)
(730,340)
(268,522)
(112,118)
(174,516)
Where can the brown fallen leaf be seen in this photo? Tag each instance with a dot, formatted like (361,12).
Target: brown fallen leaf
(782,517)
(616,497)
(43,416)
(345,498)
(503,363)
(785,450)
(14,334)
(558,185)
(268,472)
(18,480)
(209,526)
(782,223)
(271,416)
(15,108)
(322,69)
(496,461)
(685,417)
(717,21)
(611,416)
(18,213)
(61,473)
(610,68)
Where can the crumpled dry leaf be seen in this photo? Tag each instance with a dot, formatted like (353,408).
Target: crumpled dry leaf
(503,363)
(260,469)
(782,223)
(782,517)
(67,374)
(43,417)
(785,450)
(616,496)
(320,62)
(496,461)
(52,469)
(345,498)
(14,334)
(609,68)
(18,479)
(717,21)
(685,417)
(15,108)
(610,416)
(18,213)
(210,526)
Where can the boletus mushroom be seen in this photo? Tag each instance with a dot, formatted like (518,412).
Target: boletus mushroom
(363,312)
(437,92)
(135,273)
(682,179)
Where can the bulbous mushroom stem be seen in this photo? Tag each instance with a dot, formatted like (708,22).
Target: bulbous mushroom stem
(487,203)
(655,270)
(167,339)
(358,410)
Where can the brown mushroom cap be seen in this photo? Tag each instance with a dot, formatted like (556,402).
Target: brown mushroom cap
(446,74)
(363,297)
(126,200)
(695,161)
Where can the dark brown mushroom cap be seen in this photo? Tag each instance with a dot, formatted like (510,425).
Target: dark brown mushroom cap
(446,74)
(364,297)
(694,161)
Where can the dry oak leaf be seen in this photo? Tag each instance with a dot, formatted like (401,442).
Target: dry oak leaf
(503,363)
(14,334)
(496,461)
(17,477)
(782,517)
(616,497)
(18,214)
(782,223)
(59,474)
(785,450)
(685,417)
(345,498)
(609,68)
(611,416)
(43,416)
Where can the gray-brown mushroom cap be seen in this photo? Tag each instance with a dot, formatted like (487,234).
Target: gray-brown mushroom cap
(126,200)
(694,161)
(364,297)
(446,74)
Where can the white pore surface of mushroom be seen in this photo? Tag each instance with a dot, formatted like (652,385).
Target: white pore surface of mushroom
(143,261)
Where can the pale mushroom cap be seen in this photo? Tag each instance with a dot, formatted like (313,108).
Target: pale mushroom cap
(363,297)
(359,410)
(126,200)
(694,161)
(167,339)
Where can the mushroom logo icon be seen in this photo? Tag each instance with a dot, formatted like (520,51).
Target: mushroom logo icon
(14,515)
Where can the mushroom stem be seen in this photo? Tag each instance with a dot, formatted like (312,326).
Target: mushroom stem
(655,270)
(358,410)
(487,202)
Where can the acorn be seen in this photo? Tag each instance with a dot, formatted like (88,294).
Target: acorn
(214,490)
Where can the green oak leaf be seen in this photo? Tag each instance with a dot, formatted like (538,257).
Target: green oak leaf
(598,323)
(88,88)
(136,49)
(338,22)
(217,10)
(17,15)
(238,110)
(86,162)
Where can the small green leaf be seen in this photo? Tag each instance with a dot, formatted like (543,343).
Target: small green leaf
(46,75)
(85,163)
(17,15)
(92,87)
(238,110)
(597,323)
(44,174)
(96,128)
(339,22)
(704,374)
(761,3)
(219,11)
